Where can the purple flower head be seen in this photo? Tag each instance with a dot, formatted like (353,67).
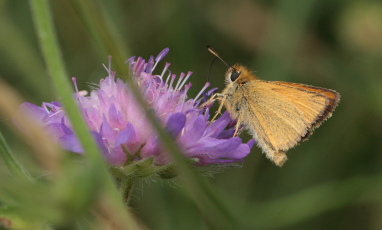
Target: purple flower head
(122,129)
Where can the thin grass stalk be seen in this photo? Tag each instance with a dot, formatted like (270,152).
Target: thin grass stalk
(53,58)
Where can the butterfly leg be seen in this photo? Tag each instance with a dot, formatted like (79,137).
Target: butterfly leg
(212,99)
(223,97)
(237,127)
(216,96)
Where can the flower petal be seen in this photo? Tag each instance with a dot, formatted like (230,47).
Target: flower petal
(216,146)
(117,156)
(36,112)
(151,148)
(225,134)
(219,125)
(215,150)
(71,143)
(134,143)
(193,132)
(107,131)
(251,143)
(175,123)
(125,135)
(55,131)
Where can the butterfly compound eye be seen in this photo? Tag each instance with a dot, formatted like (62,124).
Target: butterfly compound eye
(234,75)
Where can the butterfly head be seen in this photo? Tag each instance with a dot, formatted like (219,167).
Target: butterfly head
(238,74)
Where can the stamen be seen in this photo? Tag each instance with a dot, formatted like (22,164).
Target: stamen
(179,80)
(172,81)
(47,106)
(160,56)
(110,58)
(202,90)
(158,79)
(207,95)
(186,79)
(192,110)
(130,60)
(168,77)
(183,97)
(74,80)
(165,69)
(140,67)
(150,64)
(211,91)
(108,68)
(137,64)
(187,87)
(47,117)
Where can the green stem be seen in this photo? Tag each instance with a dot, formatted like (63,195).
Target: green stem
(53,58)
(12,163)
(125,183)
(127,186)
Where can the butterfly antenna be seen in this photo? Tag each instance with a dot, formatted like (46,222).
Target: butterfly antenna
(213,51)
(209,70)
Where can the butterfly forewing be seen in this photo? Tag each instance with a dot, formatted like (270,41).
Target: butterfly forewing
(332,96)
(280,116)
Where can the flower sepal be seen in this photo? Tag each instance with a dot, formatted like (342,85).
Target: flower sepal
(139,169)
(146,168)
(169,172)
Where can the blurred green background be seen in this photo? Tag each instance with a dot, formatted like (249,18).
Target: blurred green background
(329,182)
